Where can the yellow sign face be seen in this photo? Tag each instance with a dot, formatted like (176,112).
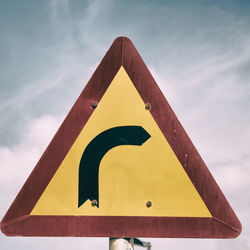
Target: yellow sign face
(129,176)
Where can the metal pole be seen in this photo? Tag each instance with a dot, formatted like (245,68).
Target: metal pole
(127,243)
(120,244)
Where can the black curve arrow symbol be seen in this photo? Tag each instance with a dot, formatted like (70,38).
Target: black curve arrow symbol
(94,152)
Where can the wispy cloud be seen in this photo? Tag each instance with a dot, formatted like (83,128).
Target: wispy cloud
(18,161)
(198,52)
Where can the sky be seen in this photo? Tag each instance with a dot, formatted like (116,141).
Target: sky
(198,52)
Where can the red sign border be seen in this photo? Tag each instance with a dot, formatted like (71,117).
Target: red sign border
(223,224)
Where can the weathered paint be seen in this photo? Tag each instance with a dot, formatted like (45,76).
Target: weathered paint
(223,223)
(129,175)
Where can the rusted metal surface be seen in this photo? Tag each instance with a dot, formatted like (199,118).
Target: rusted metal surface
(223,224)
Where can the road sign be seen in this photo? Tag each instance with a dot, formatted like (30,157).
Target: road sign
(121,165)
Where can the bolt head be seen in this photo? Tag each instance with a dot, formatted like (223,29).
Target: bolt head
(94,105)
(148,106)
(94,203)
(149,204)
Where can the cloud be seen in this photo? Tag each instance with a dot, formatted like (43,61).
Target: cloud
(198,53)
(18,161)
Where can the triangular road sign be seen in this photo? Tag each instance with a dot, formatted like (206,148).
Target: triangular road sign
(121,165)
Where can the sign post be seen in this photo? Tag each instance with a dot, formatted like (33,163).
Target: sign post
(120,244)
(121,165)
(127,243)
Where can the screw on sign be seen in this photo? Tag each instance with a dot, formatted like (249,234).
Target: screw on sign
(121,160)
